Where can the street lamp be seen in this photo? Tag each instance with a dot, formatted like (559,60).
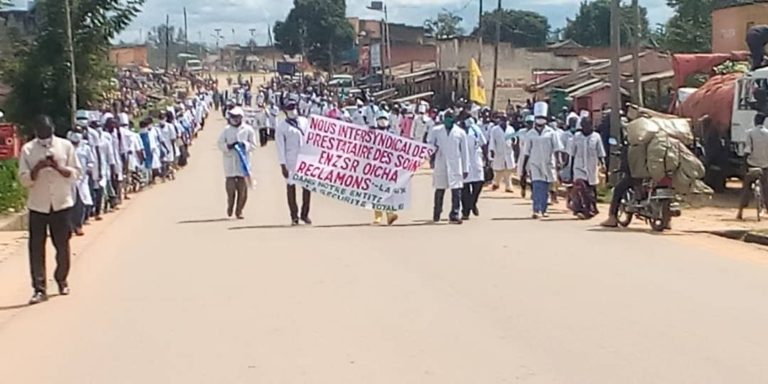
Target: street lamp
(381,7)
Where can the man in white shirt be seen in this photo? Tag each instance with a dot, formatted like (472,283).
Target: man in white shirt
(289,138)
(48,167)
(757,158)
(236,142)
(540,160)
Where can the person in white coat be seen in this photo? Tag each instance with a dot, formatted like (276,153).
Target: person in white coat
(540,159)
(237,136)
(473,183)
(501,153)
(358,116)
(587,158)
(520,143)
(451,166)
(289,138)
(82,188)
(383,124)
(422,124)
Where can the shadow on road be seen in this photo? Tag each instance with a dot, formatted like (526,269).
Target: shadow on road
(25,305)
(327,226)
(204,221)
(647,231)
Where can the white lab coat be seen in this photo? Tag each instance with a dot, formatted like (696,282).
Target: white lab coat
(422,125)
(586,152)
(451,159)
(522,142)
(541,149)
(358,117)
(503,154)
(107,150)
(242,134)
(475,143)
(167,136)
(87,162)
(289,139)
(371,112)
(394,122)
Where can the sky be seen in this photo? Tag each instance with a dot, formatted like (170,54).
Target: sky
(243,15)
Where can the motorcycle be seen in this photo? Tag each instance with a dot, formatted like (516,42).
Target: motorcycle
(655,203)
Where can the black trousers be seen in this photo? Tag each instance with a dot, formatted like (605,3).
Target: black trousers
(98,200)
(746,189)
(455,204)
(263,137)
(237,195)
(77,213)
(59,224)
(469,196)
(756,43)
(306,196)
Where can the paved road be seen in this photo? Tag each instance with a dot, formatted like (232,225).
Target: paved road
(167,291)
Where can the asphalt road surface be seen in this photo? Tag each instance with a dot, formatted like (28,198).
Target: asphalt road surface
(169,291)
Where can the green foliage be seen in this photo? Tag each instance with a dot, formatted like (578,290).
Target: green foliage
(317,28)
(446,25)
(12,194)
(521,28)
(690,28)
(176,45)
(732,67)
(592,25)
(40,73)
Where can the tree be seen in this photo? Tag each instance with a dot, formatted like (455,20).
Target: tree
(592,25)
(447,25)
(40,75)
(317,28)
(690,28)
(521,28)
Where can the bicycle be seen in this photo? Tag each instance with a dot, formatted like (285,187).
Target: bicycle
(756,175)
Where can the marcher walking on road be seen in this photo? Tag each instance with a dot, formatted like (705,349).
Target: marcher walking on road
(48,167)
(501,154)
(451,166)
(587,157)
(473,183)
(82,189)
(236,142)
(540,159)
(289,138)
(383,124)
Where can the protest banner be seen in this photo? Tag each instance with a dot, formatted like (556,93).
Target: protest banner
(358,165)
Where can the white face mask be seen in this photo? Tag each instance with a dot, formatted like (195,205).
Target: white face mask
(382,123)
(292,114)
(540,121)
(45,142)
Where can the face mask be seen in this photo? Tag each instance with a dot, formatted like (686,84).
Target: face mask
(541,121)
(292,114)
(45,142)
(382,123)
(449,122)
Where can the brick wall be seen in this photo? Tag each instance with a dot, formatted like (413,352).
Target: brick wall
(730,25)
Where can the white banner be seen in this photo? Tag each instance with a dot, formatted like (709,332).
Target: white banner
(358,165)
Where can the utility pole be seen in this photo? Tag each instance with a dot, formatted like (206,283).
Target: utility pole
(73,76)
(271,44)
(496,57)
(637,91)
(615,69)
(480,36)
(167,42)
(186,32)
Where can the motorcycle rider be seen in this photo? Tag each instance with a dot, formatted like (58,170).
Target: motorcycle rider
(621,188)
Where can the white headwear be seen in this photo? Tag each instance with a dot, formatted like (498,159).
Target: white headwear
(236,111)
(541,109)
(124,119)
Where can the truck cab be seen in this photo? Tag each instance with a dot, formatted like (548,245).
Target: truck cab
(744,111)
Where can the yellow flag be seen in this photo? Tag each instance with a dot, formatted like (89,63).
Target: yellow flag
(476,83)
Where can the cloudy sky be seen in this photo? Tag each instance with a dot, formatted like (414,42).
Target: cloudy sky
(242,15)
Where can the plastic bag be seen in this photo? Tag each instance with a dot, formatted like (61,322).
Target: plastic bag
(663,156)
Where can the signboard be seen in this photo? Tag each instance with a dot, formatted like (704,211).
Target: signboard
(376,55)
(358,165)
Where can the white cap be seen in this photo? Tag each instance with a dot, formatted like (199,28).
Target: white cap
(236,111)
(584,113)
(541,109)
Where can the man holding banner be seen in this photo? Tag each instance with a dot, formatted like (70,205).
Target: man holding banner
(383,124)
(290,137)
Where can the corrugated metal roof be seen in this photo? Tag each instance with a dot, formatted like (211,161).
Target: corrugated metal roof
(18,6)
